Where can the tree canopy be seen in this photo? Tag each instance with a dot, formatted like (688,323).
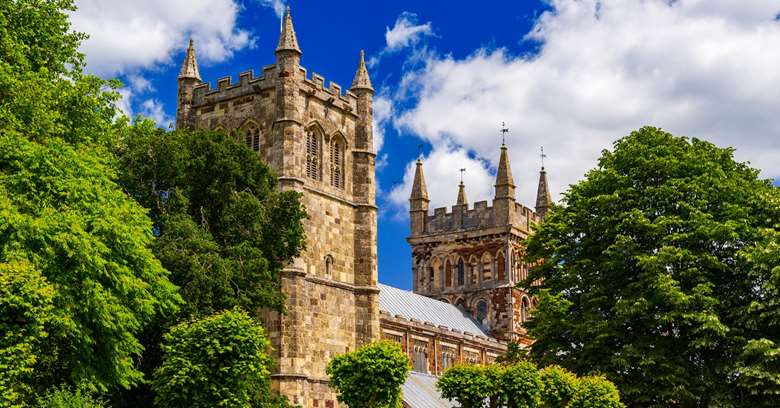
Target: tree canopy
(217,361)
(224,230)
(371,376)
(660,270)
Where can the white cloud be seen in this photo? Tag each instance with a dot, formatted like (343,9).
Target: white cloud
(708,69)
(153,109)
(442,175)
(277,5)
(383,114)
(126,36)
(406,32)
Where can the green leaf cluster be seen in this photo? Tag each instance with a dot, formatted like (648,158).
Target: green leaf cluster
(371,376)
(223,228)
(522,385)
(217,361)
(66,398)
(660,269)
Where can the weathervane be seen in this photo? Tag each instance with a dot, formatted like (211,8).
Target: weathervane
(461,175)
(504,131)
(542,156)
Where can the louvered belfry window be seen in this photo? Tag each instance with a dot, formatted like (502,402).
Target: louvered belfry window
(337,163)
(252,137)
(312,155)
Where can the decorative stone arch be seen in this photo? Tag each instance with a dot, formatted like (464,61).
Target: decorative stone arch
(218,128)
(473,267)
(487,267)
(249,133)
(460,303)
(500,266)
(444,300)
(337,160)
(433,272)
(329,261)
(448,279)
(314,140)
(525,308)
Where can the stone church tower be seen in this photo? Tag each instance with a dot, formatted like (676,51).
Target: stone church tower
(473,258)
(319,141)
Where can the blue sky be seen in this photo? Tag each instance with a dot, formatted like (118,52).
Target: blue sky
(570,75)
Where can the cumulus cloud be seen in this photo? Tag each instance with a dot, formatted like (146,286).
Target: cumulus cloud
(702,68)
(126,36)
(383,114)
(442,175)
(153,109)
(277,5)
(406,32)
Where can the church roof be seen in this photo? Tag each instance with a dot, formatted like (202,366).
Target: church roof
(413,306)
(419,391)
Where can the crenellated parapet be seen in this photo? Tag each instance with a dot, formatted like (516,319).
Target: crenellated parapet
(461,218)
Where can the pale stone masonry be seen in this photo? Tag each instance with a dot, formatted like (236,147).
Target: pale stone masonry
(319,141)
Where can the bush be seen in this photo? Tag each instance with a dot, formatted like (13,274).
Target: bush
(65,398)
(219,361)
(596,392)
(522,385)
(558,386)
(371,376)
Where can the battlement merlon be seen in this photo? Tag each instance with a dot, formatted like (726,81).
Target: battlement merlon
(248,84)
(481,216)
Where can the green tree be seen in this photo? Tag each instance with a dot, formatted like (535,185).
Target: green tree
(595,392)
(224,229)
(371,376)
(522,385)
(63,214)
(218,361)
(26,303)
(558,386)
(657,271)
(472,385)
(514,354)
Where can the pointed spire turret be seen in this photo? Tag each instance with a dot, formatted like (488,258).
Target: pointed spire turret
(543,196)
(505,186)
(419,188)
(362,80)
(189,68)
(287,39)
(462,194)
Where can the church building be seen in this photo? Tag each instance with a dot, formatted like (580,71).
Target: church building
(464,306)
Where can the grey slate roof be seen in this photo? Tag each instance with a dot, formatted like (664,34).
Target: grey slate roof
(413,306)
(419,391)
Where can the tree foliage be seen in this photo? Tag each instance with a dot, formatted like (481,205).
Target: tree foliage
(522,385)
(558,385)
(64,221)
(66,398)
(371,376)
(218,361)
(595,392)
(660,270)
(224,230)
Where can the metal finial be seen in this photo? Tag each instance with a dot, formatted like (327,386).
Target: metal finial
(542,156)
(461,175)
(504,131)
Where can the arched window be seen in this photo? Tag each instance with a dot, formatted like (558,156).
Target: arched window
(448,273)
(460,304)
(487,267)
(252,136)
(500,267)
(420,356)
(313,154)
(328,266)
(337,162)
(481,311)
(461,272)
(524,307)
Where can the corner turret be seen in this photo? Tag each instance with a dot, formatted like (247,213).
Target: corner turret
(504,200)
(288,53)
(418,201)
(543,197)
(189,77)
